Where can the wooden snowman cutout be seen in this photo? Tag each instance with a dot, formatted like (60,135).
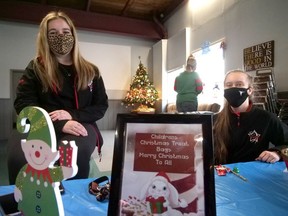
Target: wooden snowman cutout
(37,184)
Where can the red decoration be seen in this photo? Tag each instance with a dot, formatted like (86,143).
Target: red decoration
(66,152)
(221,170)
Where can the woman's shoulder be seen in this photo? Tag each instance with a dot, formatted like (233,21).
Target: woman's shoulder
(31,63)
(30,68)
(36,62)
(263,113)
(31,71)
(258,111)
(93,68)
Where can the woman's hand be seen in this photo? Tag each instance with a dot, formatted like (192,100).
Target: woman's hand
(269,157)
(74,128)
(60,115)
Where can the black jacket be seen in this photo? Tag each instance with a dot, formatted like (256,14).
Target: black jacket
(85,106)
(251,133)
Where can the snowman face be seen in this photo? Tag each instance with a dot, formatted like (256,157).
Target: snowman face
(38,154)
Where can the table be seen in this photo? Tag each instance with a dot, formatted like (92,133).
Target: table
(75,199)
(265,193)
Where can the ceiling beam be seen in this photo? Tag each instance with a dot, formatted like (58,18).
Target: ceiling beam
(88,4)
(175,4)
(33,13)
(127,6)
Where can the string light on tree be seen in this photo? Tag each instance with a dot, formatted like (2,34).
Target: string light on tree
(142,93)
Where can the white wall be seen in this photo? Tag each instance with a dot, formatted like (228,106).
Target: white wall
(243,23)
(116,56)
(160,75)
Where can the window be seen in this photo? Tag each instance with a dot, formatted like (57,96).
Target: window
(210,67)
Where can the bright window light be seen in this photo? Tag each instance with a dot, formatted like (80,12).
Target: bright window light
(210,67)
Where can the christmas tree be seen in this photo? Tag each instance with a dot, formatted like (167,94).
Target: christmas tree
(142,92)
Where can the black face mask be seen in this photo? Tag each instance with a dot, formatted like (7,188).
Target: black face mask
(236,96)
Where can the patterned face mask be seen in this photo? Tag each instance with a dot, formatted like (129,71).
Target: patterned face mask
(61,44)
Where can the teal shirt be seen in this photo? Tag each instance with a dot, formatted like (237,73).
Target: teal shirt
(188,85)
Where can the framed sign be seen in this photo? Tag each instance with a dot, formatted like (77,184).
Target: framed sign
(259,56)
(163,165)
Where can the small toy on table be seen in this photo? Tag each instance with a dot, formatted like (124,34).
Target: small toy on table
(221,170)
(236,170)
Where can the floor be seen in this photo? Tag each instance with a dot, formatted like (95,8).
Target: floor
(97,168)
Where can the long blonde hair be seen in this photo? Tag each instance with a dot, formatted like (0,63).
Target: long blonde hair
(46,64)
(221,128)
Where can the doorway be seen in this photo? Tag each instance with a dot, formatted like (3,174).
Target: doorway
(15,77)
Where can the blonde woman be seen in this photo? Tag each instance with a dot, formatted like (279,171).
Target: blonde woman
(67,86)
(188,86)
(243,132)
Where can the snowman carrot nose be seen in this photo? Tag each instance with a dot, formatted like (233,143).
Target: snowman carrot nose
(37,154)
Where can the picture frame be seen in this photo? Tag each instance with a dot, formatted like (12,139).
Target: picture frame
(163,165)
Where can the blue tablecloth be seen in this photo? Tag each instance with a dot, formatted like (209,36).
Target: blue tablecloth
(265,193)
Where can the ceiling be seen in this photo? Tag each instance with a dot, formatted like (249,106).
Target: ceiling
(139,18)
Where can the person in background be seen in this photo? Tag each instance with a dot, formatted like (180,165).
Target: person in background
(243,132)
(188,86)
(67,86)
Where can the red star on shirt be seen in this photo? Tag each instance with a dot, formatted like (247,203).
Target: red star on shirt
(254,136)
